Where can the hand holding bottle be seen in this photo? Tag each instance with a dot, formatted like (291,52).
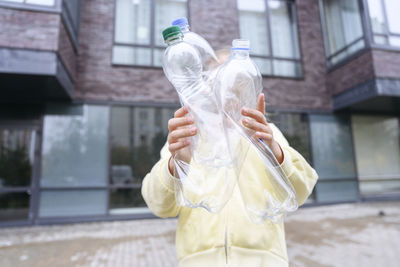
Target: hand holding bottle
(180,128)
(260,125)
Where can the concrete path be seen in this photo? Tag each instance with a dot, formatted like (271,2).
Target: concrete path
(340,235)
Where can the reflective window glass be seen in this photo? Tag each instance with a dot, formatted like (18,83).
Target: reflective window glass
(75,147)
(253,25)
(385,21)
(40,2)
(132,21)
(343,28)
(34,2)
(167,11)
(392,9)
(134,26)
(137,136)
(63,203)
(126,55)
(295,128)
(17,149)
(376,16)
(332,151)
(283,29)
(377,148)
(14,206)
(272,32)
(336,191)
(332,146)
(126,201)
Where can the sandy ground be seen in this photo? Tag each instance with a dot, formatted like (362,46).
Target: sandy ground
(362,234)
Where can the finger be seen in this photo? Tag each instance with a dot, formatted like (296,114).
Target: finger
(178,122)
(174,136)
(178,145)
(181,112)
(261,103)
(264,136)
(256,126)
(255,114)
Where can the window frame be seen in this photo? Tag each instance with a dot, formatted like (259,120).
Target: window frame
(328,178)
(71,26)
(56,8)
(152,44)
(32,189)
(377,195)
(387,33)
(271,57)
(365,37)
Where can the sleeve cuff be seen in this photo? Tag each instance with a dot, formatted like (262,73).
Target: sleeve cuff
(167,179)
(287,164)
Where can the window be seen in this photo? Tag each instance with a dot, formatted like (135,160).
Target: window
(343,32)
(75,145)
(17,157)
(71,13)
(94,158)
(332,150)
(295,128)
(33,2)
(138,26)
(385,22)
(137,136)
(270,25)
(377,147)
(74,161)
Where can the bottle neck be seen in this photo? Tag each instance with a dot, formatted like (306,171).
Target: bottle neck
(240,53)
(185,29)
(174,39)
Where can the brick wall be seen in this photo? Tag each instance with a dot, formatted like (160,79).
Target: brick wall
(34,30)
(28,29)
(98,79)
(66,51)
(217,21)
(351,74)
(386,64)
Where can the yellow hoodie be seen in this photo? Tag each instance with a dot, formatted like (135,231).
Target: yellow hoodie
(205,239)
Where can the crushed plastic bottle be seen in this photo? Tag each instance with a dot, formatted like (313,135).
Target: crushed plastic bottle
(238,84)
(206,176)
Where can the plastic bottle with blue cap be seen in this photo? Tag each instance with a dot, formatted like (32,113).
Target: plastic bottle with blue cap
(205,50)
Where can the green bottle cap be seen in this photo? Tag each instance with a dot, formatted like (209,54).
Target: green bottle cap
(171,31)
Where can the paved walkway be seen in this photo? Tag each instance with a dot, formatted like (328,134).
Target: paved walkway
(341,235)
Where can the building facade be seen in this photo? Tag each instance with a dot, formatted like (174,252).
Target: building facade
(84,103)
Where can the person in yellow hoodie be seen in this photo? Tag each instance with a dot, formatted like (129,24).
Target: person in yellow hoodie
(229,238)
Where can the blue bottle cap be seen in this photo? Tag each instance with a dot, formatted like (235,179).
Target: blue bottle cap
(181,22)
(240,44)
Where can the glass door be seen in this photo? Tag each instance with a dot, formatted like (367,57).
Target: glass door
(18,169)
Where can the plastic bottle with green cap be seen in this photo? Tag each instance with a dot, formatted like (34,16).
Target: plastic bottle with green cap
(181,62)
(208,178)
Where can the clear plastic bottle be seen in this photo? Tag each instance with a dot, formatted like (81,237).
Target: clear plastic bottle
(205,50)
(238,83)
(206,179)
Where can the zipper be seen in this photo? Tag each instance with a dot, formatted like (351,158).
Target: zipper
(226,246)
(226,235)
